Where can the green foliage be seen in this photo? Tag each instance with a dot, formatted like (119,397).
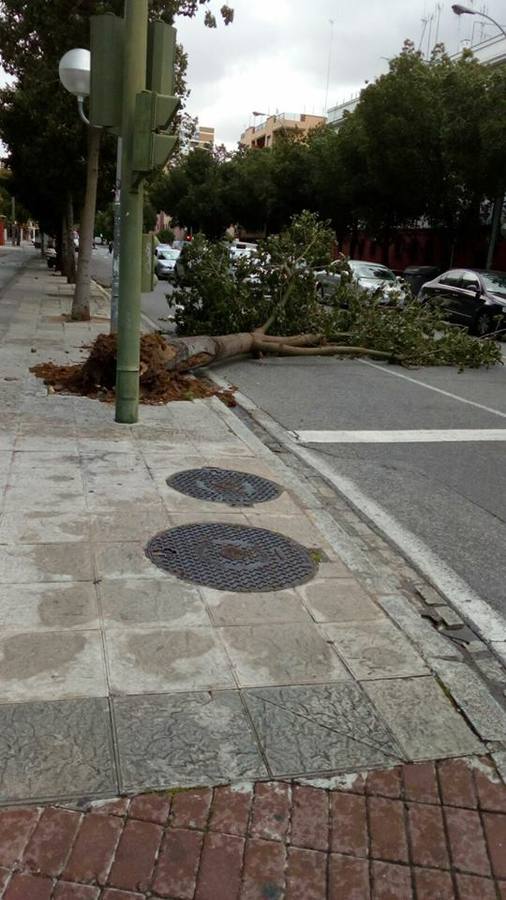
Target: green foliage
(165,236)
(407,330)
(104,223)
(279,286)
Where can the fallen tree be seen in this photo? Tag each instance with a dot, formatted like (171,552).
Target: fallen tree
(279,288)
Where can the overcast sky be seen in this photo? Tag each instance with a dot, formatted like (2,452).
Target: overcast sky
(274,57)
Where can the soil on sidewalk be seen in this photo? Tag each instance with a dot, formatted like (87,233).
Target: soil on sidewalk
(96,376)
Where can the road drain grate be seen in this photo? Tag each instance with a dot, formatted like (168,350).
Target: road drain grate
(232,557)
(224,486)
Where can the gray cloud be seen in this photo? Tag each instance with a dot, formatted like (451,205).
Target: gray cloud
(274,56)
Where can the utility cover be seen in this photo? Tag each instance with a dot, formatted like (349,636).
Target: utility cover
(224,486)
(232,557)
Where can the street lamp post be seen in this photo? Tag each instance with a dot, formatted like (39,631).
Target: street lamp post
(75,75)
(136,62)
(460,10)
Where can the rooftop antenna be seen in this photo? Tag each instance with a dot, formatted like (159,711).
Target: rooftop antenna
(329,62)
(439,7)
(425,20)
(430,22)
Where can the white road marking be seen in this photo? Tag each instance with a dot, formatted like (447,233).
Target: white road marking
(407,436)
(430,387)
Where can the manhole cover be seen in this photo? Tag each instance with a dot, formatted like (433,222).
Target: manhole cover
(224,486)
(232,557)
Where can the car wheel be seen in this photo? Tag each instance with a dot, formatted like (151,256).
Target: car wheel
(482,324)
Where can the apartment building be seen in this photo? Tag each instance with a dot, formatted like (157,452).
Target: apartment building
(264,134)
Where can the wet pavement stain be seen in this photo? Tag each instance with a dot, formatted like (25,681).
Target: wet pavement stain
(65,609)
(28,655)
(159,654)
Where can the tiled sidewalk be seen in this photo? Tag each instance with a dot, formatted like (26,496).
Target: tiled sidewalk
(418,831)
(117,678)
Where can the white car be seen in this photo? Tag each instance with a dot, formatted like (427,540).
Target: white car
(166,263)
(241,249)
(161,248)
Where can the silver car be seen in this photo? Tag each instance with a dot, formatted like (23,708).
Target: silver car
(166,263)
(369,276)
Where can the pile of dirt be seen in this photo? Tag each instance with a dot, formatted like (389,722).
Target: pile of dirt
(96,375)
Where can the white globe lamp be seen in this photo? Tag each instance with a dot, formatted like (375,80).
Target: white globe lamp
(74,72)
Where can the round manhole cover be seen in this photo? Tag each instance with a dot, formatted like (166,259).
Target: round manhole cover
(224,486)
(232,557)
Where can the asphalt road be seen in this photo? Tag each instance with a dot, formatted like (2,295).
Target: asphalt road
(154,305)
(451,493)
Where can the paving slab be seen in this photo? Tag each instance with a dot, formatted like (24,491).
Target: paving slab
(27,563)
(51,665)
(375,649)
(43,526)
(281,654)
(338,599)
(153,661)
(56,750)
(185,739)
(320,728)
(125,559)
(53,606)
(107,526)
(256,608)
(155,602)
(422,718)
(473,696)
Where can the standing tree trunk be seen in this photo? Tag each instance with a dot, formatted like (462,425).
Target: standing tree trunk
(68,255)
(81,301)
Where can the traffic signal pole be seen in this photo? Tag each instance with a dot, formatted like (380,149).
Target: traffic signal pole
(129,306)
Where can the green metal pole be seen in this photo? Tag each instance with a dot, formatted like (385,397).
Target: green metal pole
(129,306)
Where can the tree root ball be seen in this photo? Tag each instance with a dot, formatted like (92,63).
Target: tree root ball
(96,375)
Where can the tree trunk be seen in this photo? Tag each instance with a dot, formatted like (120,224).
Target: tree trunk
(68,255)
(202,350)
(81,301)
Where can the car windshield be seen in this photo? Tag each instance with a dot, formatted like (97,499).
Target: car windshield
(495,282)
(371,270)
(169,254)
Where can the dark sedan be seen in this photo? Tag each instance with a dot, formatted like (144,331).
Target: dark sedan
(474,298)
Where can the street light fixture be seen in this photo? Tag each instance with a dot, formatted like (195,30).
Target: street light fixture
(74,71)
(460,10)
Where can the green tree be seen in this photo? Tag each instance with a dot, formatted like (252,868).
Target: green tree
(193,194)
(33,37)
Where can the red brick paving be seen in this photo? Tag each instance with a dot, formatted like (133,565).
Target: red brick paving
(423,831)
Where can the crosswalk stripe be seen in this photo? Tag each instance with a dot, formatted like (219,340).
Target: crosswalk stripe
(407,436)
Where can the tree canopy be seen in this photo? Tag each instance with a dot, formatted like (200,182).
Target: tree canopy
(426,144)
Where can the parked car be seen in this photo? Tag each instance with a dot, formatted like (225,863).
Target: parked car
(240,249)
(369,276)
(160,248)
(416,276)
(474,298)
(166,263)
